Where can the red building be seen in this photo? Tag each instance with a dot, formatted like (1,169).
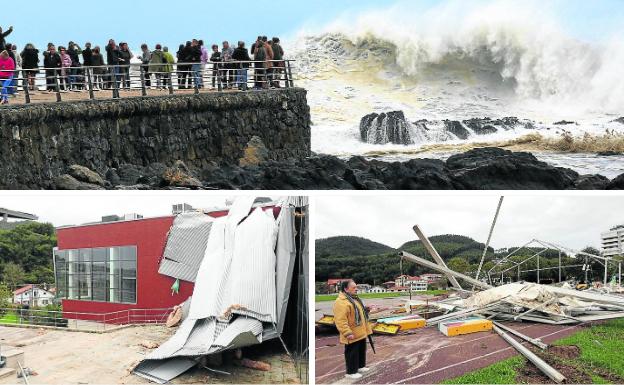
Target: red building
(113,267)
(108,271)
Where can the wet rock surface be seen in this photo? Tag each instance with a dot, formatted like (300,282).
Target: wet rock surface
(385,128)
(478,169)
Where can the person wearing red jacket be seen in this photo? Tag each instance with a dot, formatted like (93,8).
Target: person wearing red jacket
(7,70)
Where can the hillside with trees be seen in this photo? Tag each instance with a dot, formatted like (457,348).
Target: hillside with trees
(26,254)
(460,253)
(351,246)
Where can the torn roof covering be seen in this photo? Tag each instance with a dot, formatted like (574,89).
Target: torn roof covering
(239,293)
(186,246)
(187,239)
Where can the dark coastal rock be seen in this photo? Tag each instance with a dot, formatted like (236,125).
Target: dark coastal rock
(478,169)
(68,182)
(609,153)
(564,123)
(385,128)
(83,174)
(619,120)
(592,182)
(255,153)
(498,169)
(481,126)
(617,183)
(456,128)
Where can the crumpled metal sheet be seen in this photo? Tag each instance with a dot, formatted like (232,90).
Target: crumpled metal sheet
(235,290)
(163,371)
(186,246)
(285,262)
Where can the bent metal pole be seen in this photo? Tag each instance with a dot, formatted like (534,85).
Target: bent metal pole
(487,244)
(436,257)
(548,370)
(444,270)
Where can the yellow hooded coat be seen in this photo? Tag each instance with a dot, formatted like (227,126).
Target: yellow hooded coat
(344,318)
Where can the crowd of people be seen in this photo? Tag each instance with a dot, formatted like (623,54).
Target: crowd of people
(194,65)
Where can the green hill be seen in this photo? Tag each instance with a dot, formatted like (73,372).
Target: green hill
(349,246)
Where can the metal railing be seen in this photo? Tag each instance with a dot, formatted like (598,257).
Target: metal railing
(82,321)
(127,80)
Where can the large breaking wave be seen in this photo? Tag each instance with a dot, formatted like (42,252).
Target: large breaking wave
(501,45)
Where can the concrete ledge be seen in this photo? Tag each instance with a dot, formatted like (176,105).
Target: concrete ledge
(7,372)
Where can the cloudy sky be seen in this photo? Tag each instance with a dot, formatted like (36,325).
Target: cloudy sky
(169,23)
(62,208)
(574,222)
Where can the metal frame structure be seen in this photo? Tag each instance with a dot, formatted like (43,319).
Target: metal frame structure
(545,246)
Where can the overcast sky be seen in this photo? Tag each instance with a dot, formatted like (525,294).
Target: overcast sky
(574,222)
(61,208)
(170,23)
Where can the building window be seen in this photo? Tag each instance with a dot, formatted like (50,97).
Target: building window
(99,274)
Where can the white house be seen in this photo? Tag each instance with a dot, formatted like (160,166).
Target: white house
(363,288)
(377,289)
(417,284)
(33,295)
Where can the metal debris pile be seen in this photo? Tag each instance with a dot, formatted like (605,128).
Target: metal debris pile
(520,301)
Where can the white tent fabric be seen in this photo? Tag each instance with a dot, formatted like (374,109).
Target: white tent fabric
(285,263)
(235,289)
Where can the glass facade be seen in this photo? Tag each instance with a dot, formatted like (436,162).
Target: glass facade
(106,274)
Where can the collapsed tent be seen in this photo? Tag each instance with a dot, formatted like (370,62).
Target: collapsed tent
(242,265)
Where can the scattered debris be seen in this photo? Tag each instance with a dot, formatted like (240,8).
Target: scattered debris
(174,317)
(149,344)
(257,365)
(464,326)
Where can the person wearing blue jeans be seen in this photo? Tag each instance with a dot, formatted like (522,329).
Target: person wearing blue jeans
(7,85)
(241,56)
(7,68)
(195,58)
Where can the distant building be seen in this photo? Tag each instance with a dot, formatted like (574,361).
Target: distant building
(363,288)
(34,296)
(334,283)
(378,289)
(430,278)
(398,289)
(613,242)
(389,284)
(411,283)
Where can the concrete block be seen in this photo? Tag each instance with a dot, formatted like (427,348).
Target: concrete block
(12,358)
(7,372)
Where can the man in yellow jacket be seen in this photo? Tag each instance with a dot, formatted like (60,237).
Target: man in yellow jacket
(351,318)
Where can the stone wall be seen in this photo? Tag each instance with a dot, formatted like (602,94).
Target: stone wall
(39,142)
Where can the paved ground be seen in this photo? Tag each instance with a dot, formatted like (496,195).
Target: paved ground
(61,357)
(423,356)
(44,96)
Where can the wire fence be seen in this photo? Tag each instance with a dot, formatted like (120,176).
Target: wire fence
(117,81)
(82,321)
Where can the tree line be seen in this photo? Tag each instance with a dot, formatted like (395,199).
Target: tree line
(26,254)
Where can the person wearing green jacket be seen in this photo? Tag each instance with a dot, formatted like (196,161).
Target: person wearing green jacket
(156,66)
(168,67)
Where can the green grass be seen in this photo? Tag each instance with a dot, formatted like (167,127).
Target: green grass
(332,297)
(602,346)
(503,372)
(9,318)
